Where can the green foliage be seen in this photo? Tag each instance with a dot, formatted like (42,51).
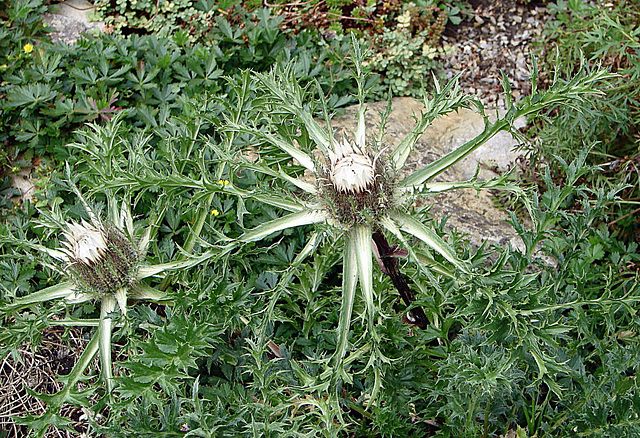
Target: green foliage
(406,56)
(540,339)
(20,33)
(147,76)
(406,34)
(53,90)
(603,35)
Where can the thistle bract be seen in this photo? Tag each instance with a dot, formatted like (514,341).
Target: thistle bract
(99,257)
(351,170)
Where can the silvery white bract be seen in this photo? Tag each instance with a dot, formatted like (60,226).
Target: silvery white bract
(85,243)
(351,169)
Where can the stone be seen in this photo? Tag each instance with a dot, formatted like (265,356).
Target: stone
(469,212)
(22,181)
(70,19)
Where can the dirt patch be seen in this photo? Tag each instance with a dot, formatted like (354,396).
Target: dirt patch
(37,371)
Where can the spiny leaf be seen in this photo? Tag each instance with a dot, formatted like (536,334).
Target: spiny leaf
(410,225)
(289,221)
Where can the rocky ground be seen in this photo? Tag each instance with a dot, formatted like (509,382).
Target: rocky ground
(70,19)
(495,36)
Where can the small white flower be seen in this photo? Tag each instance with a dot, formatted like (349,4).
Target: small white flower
(351,169)
(85,243)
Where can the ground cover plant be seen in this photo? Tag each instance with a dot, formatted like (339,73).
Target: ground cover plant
(600,35)
(403,34)
(258,326)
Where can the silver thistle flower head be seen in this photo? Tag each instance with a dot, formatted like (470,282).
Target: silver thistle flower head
(356,185)
(84,243)
(351,169)
(99,257)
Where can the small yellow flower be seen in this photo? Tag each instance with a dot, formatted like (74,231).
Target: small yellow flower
(28,48)
(223,182)
(215,212)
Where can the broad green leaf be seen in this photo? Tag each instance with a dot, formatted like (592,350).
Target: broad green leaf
(410,225)
(306,217)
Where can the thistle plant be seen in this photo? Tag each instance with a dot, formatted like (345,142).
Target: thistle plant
(356,188)
(103,262)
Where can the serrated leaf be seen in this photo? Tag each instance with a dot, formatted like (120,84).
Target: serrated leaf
(61,290)
(149,271)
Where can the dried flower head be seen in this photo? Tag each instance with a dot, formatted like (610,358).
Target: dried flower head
(355,185)
(351,169)
(99,257)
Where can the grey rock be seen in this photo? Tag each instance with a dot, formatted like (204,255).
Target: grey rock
(23,182)
(70,19)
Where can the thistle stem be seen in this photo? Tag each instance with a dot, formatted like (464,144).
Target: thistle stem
(391,265)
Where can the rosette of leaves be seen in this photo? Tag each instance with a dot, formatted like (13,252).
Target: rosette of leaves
(356,187)
(103,262)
